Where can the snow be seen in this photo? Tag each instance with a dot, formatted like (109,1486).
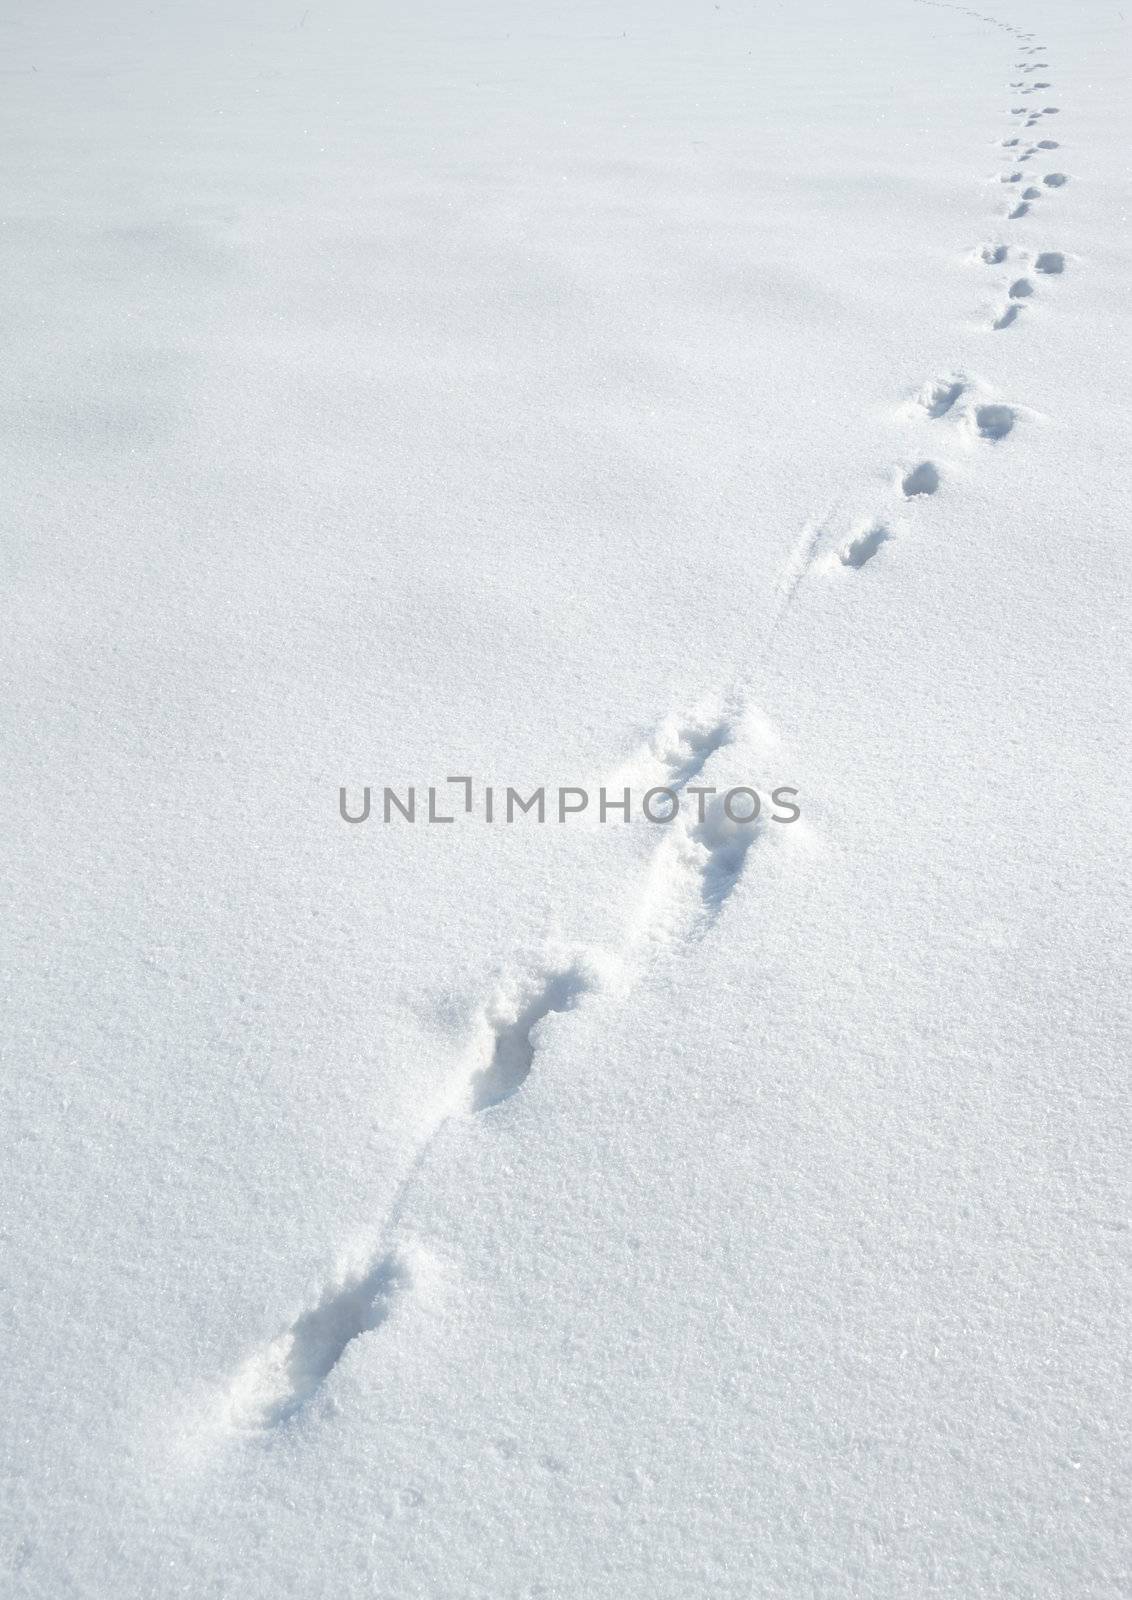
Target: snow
(626,395)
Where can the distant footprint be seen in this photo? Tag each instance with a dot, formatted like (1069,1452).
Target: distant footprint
(994,422)
(1055,180)
(1051,261)
(1020,210)
(1011,177)
(1020,289)
(1048,144)
(1008,316)
(1031,193)
(923,479)
(993,254)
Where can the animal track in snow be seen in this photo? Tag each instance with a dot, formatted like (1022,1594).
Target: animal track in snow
(695,868)
(923,479)
(1048,144)
(726,842)
(1031,193)
(1020,289)
(938,397)
(1055,180)
(686,747)
(1007,316)
(510,1050)
(708,856)
(275,1382)
(994,421)
(864,546)
(702,853)
(1020,210)
(1008,144)
(1011,177)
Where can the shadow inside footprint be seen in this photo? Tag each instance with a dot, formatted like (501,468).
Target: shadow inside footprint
(994,422)
(1020,210)
(1008,316)
(939,397)
(512,1049)
(727,842)
(1054,180)
(865,546)
(1020,289)
(1051,261)
(299,1361)
(993,254)
(923,479)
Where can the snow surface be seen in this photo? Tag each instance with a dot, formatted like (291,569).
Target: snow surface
(634,393)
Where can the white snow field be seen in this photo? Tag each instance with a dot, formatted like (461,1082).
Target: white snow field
(660,394)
